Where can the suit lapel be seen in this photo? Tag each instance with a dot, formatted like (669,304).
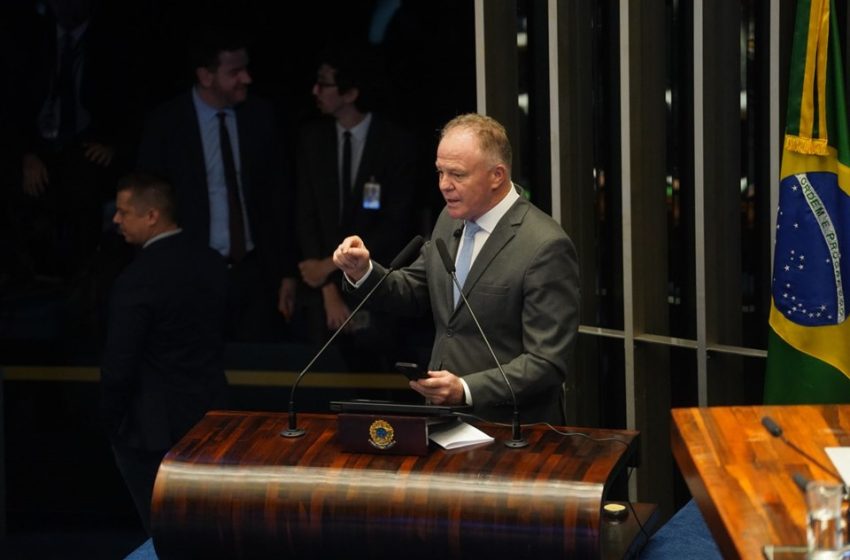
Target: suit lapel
(193,143)
(195,150)
(328,163)
(505,231)
(364,171)
(244,134)
(452,245)
(246,150)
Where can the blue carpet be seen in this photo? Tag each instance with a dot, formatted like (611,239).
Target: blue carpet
(144,552)
(684,536)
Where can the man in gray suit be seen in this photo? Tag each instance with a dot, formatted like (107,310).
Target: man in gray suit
(522,283)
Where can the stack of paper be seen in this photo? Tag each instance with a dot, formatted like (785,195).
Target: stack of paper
(458,435)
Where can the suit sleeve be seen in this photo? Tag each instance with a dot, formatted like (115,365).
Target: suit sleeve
(550,317)
(130,317)
(403,293)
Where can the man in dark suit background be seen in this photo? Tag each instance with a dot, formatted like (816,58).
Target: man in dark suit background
(220,150)
(162,366)
(66,121)
(355,173)
(522,283)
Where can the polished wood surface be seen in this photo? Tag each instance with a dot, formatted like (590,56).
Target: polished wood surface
(741,476)
(233,488)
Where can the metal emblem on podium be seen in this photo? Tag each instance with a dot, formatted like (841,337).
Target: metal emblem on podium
(381,434)
(372,433)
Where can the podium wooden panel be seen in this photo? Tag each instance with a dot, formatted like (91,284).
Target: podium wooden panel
(233,488)
(741,476)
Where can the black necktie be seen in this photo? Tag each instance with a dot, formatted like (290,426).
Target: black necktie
(234,204)
(67,90)
(345,186)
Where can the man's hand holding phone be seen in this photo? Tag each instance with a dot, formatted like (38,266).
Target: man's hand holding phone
(412,371)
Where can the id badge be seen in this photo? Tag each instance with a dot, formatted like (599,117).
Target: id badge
(372,194)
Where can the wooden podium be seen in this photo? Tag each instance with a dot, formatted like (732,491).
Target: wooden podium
(742,477)
(233,488)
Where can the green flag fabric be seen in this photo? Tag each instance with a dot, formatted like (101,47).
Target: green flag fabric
(808,355)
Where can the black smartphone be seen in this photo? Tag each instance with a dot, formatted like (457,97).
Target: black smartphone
(411,371)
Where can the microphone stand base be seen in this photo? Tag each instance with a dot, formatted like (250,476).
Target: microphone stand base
(516,443)
(293,432)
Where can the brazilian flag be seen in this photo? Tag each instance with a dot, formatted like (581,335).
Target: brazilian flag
(808,353)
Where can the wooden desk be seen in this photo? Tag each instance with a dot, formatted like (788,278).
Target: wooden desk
(233,488)
(741,476)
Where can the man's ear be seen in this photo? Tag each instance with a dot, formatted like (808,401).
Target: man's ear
(152,216)
(351,95)
(499,174)
(204,76)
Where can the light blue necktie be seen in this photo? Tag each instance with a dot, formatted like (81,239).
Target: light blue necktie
(464,257)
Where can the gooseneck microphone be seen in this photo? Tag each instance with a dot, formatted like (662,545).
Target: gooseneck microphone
(776,432)
(516,440)
(771,426)
(405,256)
(801,481)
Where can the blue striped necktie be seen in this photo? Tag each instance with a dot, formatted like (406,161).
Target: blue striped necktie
(464,257)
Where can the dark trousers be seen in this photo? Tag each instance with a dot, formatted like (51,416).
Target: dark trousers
(138,467)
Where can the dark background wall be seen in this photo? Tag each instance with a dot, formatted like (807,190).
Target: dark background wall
(59,471)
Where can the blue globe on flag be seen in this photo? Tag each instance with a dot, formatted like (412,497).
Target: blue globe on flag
(808,270)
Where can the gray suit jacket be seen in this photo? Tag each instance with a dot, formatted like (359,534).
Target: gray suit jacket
(524,289)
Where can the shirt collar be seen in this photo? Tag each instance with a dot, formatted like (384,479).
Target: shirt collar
(206,111)
(162,235)
(358,131)
(489,219)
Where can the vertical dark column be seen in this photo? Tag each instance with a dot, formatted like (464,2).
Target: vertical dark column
(577,212)
(647,71)
(500,67)
(721,205)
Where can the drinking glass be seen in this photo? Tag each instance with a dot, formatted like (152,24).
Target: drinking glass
(823,527)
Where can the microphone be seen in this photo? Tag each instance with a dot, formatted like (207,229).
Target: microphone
(776,431)
(801,481)
(405,256)
(516,440)
(771,426)
(456,234)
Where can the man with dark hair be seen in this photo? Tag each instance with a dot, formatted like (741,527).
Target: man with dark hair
(517,267)
(221,151)
(356,172)
(163,363)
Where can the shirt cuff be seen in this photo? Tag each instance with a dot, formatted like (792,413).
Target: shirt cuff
(467,396)
(359,282)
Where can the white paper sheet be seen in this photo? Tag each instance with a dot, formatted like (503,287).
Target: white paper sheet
(840,457)
(458,435)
